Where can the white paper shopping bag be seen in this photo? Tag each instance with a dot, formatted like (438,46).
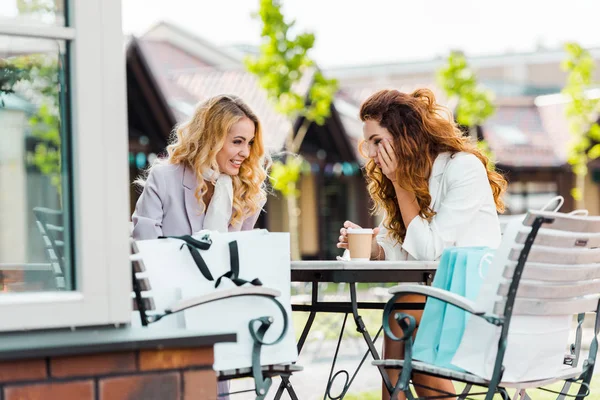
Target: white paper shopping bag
(263,255)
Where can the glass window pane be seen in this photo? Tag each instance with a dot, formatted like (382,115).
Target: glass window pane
(28,12)
(35,197)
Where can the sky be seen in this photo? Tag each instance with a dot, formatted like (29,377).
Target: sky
(358,32)
(352,32)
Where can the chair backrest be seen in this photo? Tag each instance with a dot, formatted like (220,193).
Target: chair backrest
(143,301)
(50,225)
(561,274)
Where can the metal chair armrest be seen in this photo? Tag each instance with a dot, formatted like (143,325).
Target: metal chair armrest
(221,295)
(440,294)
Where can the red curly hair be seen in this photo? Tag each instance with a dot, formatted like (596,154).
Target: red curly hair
(421,130)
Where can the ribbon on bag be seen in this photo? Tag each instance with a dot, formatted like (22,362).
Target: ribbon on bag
(233,273)
(195,245)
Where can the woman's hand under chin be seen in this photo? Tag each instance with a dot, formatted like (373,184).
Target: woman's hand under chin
(386,157)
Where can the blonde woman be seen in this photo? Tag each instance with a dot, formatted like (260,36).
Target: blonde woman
(213,177)
(433,187)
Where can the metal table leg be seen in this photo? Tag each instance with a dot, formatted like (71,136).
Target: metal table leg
(285,383)
(360,326)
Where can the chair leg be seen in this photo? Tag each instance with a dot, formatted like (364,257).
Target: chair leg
(289,387)
(463,395)
(522,395)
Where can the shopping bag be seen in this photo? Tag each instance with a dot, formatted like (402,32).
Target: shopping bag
(442,325)
(469,270)
(428,336)
(264,257)
(534,345)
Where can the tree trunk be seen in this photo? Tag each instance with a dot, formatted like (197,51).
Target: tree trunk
(293,144)
(473,133)
(294,226)
(580,185)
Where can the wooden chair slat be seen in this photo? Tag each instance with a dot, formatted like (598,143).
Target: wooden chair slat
(565,222)
(562,239)
(549,255)
(542,290)
(144,284)
(148,304)
(555,272)
(55,228)
(545,307)
(138,266)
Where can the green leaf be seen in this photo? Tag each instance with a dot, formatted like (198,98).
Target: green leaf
(581,111)
(475,104)
(284,176)
(594,152)
(284,62)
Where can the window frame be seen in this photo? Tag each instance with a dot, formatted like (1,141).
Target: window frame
(99,146)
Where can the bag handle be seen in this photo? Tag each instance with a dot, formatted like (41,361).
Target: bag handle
(581,211)
(561,201)
(194,245)
(489,256)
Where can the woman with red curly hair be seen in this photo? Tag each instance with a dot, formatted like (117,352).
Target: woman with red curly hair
(434,187)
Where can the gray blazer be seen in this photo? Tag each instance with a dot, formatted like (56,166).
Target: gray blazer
(168,206)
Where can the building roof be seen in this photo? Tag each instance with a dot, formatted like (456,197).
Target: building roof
(518,138)
(208,82)
(189,70)
(431,65)
(194,45)
(163,58)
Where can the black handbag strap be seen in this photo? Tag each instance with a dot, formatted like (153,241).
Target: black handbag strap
(234,272)
(194,245)
(199,261)
(203,244)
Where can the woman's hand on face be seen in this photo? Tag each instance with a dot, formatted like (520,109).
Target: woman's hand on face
(387,159)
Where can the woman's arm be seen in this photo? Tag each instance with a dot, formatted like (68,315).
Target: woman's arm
(466,182)
(148,214)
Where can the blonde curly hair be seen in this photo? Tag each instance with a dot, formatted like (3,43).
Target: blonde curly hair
(196,142)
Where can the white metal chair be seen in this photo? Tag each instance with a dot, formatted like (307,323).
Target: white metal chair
(144,303)
(550,267)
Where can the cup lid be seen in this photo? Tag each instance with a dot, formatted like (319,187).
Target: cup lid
(360,230)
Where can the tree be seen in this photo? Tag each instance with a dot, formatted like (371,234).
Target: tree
(282,64)
(474,103)
(582,113)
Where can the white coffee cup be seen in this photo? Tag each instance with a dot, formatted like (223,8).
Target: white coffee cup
(359,243)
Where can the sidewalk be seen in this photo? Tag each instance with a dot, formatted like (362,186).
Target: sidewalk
(316,359)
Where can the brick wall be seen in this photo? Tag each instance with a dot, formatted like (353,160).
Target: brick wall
(169,374)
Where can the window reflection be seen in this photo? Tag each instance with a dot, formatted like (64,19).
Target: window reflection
(27,12)
(35,239)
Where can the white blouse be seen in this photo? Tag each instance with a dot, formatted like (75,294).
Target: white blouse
(465,210)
